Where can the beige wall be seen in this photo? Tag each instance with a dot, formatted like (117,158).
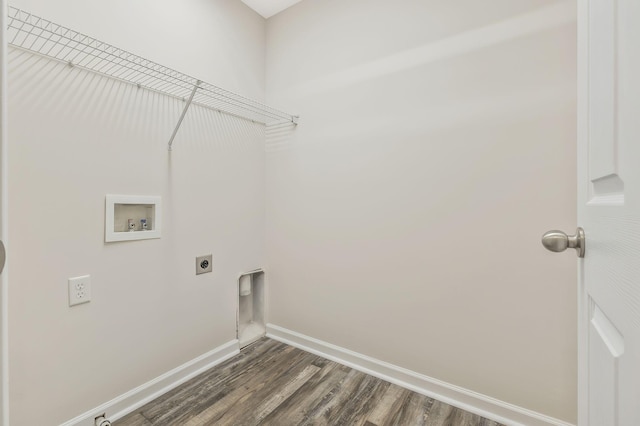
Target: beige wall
(404,215)
(75,137)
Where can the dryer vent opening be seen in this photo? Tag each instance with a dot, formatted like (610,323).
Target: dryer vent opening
(251,318)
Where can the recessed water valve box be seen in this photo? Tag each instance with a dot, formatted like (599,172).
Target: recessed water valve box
(132,217)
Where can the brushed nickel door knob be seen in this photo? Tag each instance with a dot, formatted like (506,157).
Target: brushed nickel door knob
(558,241)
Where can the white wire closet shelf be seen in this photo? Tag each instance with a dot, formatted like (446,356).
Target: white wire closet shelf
(37,35)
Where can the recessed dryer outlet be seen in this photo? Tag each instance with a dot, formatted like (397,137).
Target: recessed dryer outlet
(204,264)
(251,319)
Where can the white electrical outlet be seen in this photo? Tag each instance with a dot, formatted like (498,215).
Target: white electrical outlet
(79,290)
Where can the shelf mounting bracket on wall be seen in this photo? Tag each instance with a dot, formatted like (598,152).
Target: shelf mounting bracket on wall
(184,112)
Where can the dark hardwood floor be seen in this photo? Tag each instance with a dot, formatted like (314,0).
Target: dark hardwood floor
(270,383)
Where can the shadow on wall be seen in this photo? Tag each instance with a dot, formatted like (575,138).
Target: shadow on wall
(120,106)
(279,136)
(543,19)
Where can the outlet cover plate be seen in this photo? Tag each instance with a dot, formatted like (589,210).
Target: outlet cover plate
(79,290)
(204,264)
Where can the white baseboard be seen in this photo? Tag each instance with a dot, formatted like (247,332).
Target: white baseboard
(136,398)
(491,408)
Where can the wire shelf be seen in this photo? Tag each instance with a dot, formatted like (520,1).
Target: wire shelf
(37,35)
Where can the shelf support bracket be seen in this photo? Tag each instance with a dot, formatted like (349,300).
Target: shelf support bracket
(184,112)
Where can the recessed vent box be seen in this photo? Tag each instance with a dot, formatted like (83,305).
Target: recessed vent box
(251,318)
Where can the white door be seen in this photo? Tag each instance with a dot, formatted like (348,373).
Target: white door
(609,212)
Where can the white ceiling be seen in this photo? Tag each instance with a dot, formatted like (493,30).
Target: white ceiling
(268,8)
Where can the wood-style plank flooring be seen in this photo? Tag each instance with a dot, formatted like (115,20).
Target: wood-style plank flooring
(271,383)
